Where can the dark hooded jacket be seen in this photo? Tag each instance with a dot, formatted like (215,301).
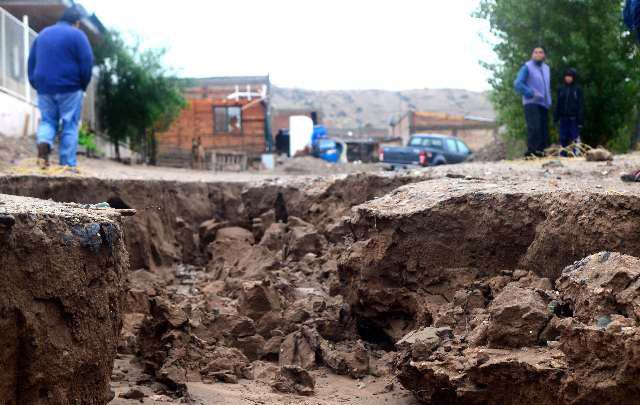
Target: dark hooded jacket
(570,102)
(631,16)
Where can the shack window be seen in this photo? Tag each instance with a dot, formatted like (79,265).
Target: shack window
(227,119)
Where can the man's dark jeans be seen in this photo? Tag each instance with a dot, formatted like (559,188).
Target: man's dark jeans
(537,118)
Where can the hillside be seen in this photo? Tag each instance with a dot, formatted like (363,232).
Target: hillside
(374,108)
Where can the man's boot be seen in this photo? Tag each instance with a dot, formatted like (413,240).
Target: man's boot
(44,149)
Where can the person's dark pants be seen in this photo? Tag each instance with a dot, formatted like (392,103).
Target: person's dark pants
(537,118)
(569,131)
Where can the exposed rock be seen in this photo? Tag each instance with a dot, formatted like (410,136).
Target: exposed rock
(603,365)
(294,380)
(233,325)
(485,376)
(602,285)
(258,298)
(421,343)
(350,359)
(251,346)
(227,360)
(240,259)
(299,349)
(517,317)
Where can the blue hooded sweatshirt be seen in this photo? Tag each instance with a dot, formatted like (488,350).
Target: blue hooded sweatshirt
(60,60)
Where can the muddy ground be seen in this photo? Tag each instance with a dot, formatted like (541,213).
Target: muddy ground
(437,285)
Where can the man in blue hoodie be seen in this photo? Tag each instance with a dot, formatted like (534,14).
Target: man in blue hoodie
(534,84)
(60,66)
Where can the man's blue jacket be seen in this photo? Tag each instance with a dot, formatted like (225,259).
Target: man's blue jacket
(61,60)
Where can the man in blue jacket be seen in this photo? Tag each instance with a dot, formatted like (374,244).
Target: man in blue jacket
(60,66)
(534,84)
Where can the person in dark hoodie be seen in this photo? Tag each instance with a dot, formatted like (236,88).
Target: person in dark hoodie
(569,112)
(631,18)
(60,67)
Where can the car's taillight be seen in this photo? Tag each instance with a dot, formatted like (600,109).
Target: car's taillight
(423,159)
(381,155)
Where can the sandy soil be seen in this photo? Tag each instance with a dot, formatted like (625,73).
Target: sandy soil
(330,390)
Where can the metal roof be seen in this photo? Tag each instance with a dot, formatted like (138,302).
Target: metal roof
(228,80)
(43,13)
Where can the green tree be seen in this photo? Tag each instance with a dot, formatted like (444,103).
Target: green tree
(585,34)
(138,96)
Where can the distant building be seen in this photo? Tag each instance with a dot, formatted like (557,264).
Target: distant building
(223,114)
(280,116)
(18,110)
(476,132)
(363,133)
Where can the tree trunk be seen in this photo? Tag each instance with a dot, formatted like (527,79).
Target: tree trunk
(116,147)
(153,148)
(144,147)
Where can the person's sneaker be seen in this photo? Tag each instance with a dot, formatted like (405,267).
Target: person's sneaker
(44,149)
(632,177)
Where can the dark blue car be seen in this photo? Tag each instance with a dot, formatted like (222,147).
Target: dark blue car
(426,150)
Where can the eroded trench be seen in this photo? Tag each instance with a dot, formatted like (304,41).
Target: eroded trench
(456,288)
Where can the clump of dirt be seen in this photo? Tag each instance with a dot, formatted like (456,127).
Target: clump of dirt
(294,380)
(61,301)
(551,347)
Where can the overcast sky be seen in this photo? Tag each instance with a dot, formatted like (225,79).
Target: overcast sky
(321,45)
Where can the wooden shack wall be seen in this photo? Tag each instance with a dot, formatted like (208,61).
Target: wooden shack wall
(197,121)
